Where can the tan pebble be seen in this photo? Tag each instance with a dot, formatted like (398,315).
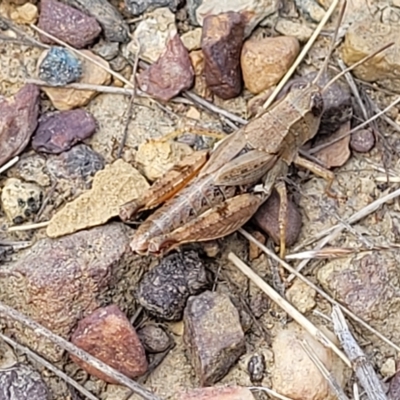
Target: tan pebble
(254,250)
(388,368)
(26,14)
(192,39)
(177,328)
(197,59)
(193,113)
(265,61)
(302,296)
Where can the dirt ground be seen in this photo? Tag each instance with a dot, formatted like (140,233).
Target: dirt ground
(360,180)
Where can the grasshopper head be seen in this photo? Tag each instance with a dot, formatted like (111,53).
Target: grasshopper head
(308,96)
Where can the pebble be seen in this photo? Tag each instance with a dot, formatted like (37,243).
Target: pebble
(192,39)
(102,202)
(67,24)
(362,141)
(363,38)
(152,34)
(302,296)
(20,201)
(21,382)
(165,289)
(265,61)
(212,354)
(170,74)
(115,29)
(217,393)
(25,14)
(311,9)
(108,335)
(267,218)
(58,67)
(118,63)
(155,157)
(137,7)
(31,168)
(58,132)
(67,99)
(106,50)
(221,42)
(154,338)
(388,368)
(256,368)
(286,27)
(60,287)
(79,163)
(253,10)
(294,374)
(19,116)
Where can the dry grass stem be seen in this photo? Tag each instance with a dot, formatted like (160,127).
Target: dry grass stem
(7,311)
(49,366)
(296,273)
(286,306)
(9,164)
(27,227)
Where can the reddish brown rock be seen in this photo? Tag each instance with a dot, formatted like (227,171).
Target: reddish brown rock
(170,74)
(213,335)
(217,393)
(67,23)
(221,43)
(362,141)
(18,120)
(267,218)
(109,336)
(58,132)
(57,281)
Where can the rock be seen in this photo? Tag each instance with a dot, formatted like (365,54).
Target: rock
(294,374)
(388,368)
(106,50)
(66,98)
(256,367)
(114,27)
(253,10)
(154,338)
(118,63)
(267,218)
(394,387)
(152,34)
(192,39)
(360,283)
(300,31)
(57,282)
(265,61)
(302,296)
(58,132)
(31,168)
(213,335)
(26,14)
(164,290)
(20,201)
(363,38)
(79,163)
(221,43)
(200,85)
(22,383)
(18,118)
(108,335)
(311,9)
(67,24)
(58,67)
(217,393)
(170,74)
(102,202)
(362,141)
(137,7)
(155,157)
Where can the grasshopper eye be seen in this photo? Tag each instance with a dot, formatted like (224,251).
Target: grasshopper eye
(317,104)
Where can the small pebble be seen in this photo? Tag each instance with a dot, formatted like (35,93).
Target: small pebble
(267,218)
(137,7)
(192,39)
(311,9)
(20,382)
(154,338)
(217,393)
(388,368)
(170,74)
(20,201)
(221,43)
(67,24)
(106,50)
(164,290)
(302,296)
(265,61)
(287,27)
(108,335)
(362,141)
(213,335)
(59,67)
(256,368)
(26,14)
(118,63)
(58,132)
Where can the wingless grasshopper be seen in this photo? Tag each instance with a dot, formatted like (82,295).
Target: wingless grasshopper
(208,198)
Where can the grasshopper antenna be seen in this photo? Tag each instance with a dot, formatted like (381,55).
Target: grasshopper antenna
(332,45)
(355,65)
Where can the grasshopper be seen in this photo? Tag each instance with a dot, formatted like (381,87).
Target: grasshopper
(209,197)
